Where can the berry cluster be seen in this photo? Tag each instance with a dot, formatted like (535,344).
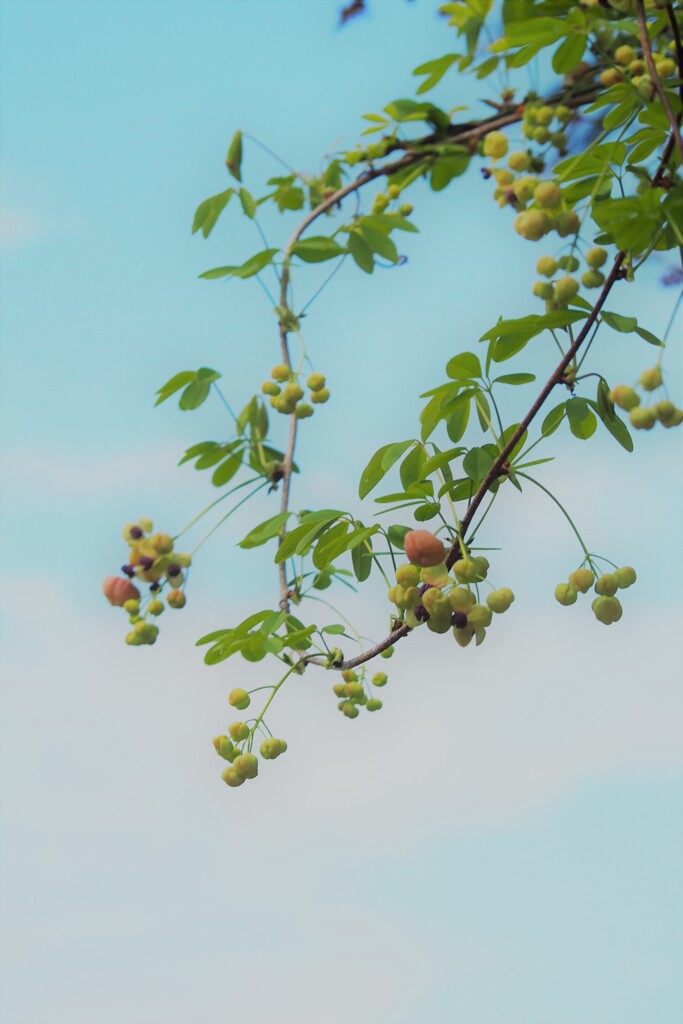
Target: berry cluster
(383,199)
(631,67)
(606,607)
(236,748)
(151,560)
(424,591)
(644,417)
(557,293)
(286,393)
(356,692)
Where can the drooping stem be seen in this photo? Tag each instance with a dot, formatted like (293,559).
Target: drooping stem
(656,81)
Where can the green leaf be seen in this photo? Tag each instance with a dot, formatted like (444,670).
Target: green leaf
(209,211)
(616,427)
(477,463)
(553,420)
(317,249)
(396,535)
(331,545)
(233,161)
(441,460)
(227,470)
(194,395)
(334,630)
(361,252)
(456,424)
(510,336)
(569,53)
(249,204)
(649,337)
(515,378)
(252,266)
(390,221)
(378,242)
(411,467)
(631,222)
(264,531)
(174,384)
(425,512)
(361,560)
(465,366)
(435,70)
(446,168)
(582,422)
(625,324)
(203,448)
(380,464)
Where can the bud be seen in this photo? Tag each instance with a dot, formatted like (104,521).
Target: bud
(582,580)
(423,548)
(239,699)
(232,777)
(246,765)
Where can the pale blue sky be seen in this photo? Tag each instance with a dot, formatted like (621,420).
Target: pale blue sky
(502,844)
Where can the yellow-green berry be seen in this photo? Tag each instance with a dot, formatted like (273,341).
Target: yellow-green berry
(239,699)
(281,373)
(607,585)
(625,397)
(565,594)
(642,418)
(156,607)
(379,679)
(607,609)
(500,600)
(316,381)
(232,777)
(650,380)
(238,731)
(495,145)
(547,266)
(582,579)
(246,765)
(625,576)
(319,397)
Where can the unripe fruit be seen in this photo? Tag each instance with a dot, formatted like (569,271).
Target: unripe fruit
(563,114)
(316,381)
(436,602)
(541,135)
(596,257)
(176,599)
(610,76)
(411,618)
(482,566)
(544,115)
(500,600)
(184,561)
(565,289)
(625,576)
(519,161)
(319,397)
(532,225)
(280,373)
(406,209)
(465,571)
(246,765)
(543,290)
(435,575)
(463,636)
(232,777)
(568,263)
(547,266)
(339,689)
(380,203)
(665,67)
(272,748)
(349,676)
(566,223)
(373,704)
(461,599)
(411,597)
(607,585)
(665,412)
(625,397)
(479,616)
(156,607)
(642,418)
(162,543)
(132,606)
(676,420)
(636,68)
(239,699)
(238,731)
(133,640)
(354,690)
(439,623)
(423,548)
(607,609)
(495,145)
(650,380)
(269,387)
(350,710)
(565,594)
(388,653)
(118,590)
(592,279)
(379,679)
(559,141)
(293,392)
(223,746)
(407,575)
(624,54)
(548,195)
(582,579)
(524,188)
(302,410)
(646,88)
(145,524)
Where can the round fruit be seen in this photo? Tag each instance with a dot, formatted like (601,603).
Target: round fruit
(302,410)
(500,600)
(607,585)
(642,418)
(592,279)
(350,710)
(436,602)
(156,607)
(566,223)
(319,397)
(423,548)
(650,380)
(495,145)
(132,606)
(625,576)
(582,579)
(373,704)
(565,289)
(238,731)
(239,699)
(407,575)
(541,135)
(565,594)
(223,746)
(118,590)
(532,225)
(316,382)
(379,679)
(625,397)
(548,195)
(665,411)
(246,765)
(461,599)
(547,266)
(439,623)
(465,571)
(596,257)
(463,636)
(269,387)
(543,290)
(610,76)
(519,161)
(280,373)
(607,609)
(354,691)
(176,599)
(339,689)
(479,616)
(232,777)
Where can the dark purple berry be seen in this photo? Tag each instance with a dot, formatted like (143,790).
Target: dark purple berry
(146,562)
(459,620)
(485,173)
(425,586)
(135,533)
(129,570)
(155,586)
(173,569)
(421,613)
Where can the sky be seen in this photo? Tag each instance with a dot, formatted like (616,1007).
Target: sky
(502,843)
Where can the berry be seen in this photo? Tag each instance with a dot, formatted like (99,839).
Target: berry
(354,691)
(543,290)
(272,748)
(423,548)
(582,579)
(500,600)
(319,397)
(232,777)
(461,599)
(349,709)
(646,88)
(176,599)
(625,576)
(665,412)
(607,585)
(650,380)
(156,607)
(411,597)
(625,397)
(132,606)
(379,679)
(280,373)
(610,76)
(548,195)
(607,609)
(380,203)
(145,524)
(463,636)
(239,699)
(302,410)
(316,382)
(223,747)
(495,145)
(592,279)
(565,594)
(642,418)
(118,590)
(339,689)
(544,115)
(246,765)
(436,602)
(547,266)
(406,209)
(482,565)
(373,704)
(407,575)
(162,543)
(566,223)
(519,161)
(532,225)
(479,616)
(596,257)
(388,653)
(238,731)
(565,289)
(568,263)
(269,387)
(541,135)
(624,54)
(465,571)
(435,575)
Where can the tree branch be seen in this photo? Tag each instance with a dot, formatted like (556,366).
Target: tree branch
(656,81)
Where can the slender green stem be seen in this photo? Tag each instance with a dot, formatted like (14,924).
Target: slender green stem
(213,505)
(276,687)
(227,516)
(561,508)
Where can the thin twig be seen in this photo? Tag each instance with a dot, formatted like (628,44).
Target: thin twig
(656,81)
